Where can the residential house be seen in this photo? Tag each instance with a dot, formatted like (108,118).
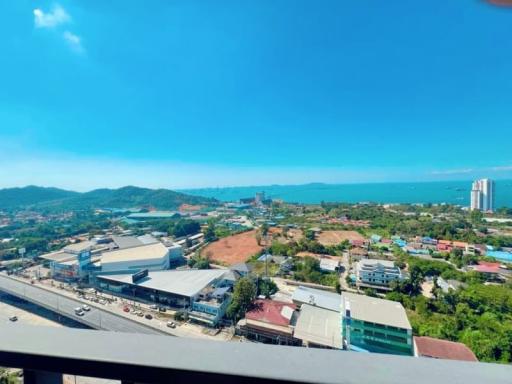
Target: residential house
(269,321)
(442,349)
(377,274)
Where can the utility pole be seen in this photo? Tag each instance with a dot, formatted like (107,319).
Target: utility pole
(267,240)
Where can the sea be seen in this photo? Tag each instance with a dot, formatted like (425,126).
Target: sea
(449,192)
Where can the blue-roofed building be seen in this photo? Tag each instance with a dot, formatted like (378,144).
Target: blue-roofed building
(400,242)
(416,251)
(265,257)
(375,238)
(428,240)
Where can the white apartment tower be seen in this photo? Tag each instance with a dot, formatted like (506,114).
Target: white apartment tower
(482,195)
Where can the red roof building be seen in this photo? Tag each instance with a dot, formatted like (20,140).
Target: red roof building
(442,349)
(269,321)
(460,244)
(492,271)
(271,312)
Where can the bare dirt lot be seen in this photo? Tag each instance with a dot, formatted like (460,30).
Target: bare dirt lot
(336,237)
(233,249)
(317,256)
(292,234)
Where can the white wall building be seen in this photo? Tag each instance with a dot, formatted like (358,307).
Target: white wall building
(482,195)
(153,257)
(377,273)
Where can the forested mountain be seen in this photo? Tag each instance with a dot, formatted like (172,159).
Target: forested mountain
(127,197)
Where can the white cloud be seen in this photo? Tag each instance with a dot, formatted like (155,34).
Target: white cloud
(74,41)
(55,17)
(502,168)
(453,171)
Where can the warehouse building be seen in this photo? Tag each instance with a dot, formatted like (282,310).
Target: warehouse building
(318,327)
(154,257)
(375,325)
(71,262)
(178,289)
(318,298)
(81,261)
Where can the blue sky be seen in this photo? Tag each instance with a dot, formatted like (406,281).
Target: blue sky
(211,93)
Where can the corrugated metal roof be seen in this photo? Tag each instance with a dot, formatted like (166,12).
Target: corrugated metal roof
(142,252)
(374,310)
(318,298)
(185,283)
(320,326)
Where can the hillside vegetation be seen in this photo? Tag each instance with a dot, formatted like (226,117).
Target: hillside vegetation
(54,199)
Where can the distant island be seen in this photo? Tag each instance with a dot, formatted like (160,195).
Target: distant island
(436,192)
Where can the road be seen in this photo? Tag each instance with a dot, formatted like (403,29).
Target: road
(32,314)
(95,318)
(345,263)
(108,317)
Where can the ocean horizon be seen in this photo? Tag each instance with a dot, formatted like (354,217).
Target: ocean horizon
(435,192)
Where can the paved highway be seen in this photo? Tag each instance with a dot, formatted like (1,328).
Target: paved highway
(95,318)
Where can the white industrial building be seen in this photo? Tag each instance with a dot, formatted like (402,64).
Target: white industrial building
(81,260)
(153,257)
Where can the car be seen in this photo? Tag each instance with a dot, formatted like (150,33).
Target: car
(126,309)
(86,308)
(148,316)
(133,312)
(171,324)
(79,312)
(154,306)
(140,313)
(13,318)
(162,309)
(103,302)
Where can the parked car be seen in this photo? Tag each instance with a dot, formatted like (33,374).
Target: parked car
(140,314)
(162,309)
(148,316)
(79,311)
(171,324)
(86,308)
(13,318)
(154,306)
(126,309)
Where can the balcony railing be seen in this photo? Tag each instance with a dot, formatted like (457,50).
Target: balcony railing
(46,353)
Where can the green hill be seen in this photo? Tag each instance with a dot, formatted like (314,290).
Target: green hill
(11,198)
(40,198)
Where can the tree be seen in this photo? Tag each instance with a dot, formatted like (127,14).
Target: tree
(264,230)
(266,287)
(209,234)
(476,216)
(243,296)
(185,227)
(258,238)
(309,235)
(199,262)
